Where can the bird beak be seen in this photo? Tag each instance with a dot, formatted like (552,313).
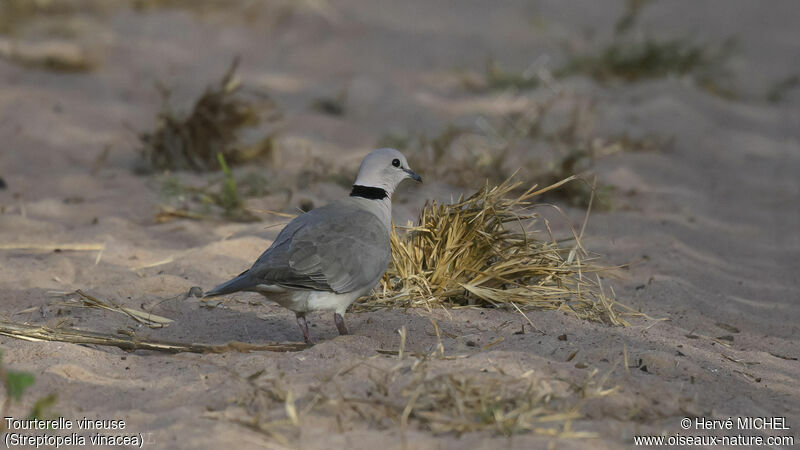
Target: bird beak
(413,175)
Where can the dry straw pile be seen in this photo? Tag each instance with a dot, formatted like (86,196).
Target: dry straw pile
(482,251)
(194,140)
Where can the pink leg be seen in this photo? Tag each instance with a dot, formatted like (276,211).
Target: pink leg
(340,324)
(301,320)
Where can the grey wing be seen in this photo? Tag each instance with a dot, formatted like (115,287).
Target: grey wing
(338,250)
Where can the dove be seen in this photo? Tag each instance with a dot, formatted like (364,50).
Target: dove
(324,259)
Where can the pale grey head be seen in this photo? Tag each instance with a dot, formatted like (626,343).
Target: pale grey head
(384,168)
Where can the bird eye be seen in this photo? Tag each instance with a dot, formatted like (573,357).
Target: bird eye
(396,162)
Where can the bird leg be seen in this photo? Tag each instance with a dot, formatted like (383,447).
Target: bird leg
(301,320)
(340,323)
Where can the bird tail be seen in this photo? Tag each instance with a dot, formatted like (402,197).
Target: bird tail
(240,283)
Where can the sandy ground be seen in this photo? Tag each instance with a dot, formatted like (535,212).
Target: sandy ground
(710,225)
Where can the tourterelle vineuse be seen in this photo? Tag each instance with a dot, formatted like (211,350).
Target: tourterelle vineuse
(62,423)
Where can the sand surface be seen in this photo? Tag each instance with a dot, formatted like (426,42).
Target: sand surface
(710,225)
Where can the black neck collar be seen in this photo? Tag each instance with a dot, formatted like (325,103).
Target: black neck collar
(371,193)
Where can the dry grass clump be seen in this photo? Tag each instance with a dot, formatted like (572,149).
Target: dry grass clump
(193,141)
(632,55)
(483,251)
(629,57)
(634,60)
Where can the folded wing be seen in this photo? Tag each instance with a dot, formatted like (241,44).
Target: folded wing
(334,248)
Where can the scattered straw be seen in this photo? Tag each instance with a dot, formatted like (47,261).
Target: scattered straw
(414,395)
(99,248)
(403,331)
(45,333)
(166,260)
(143,317)
(473,402)
(482,251)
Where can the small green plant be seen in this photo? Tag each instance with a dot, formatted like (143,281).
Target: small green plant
(15,384)
(228,198)
(219,197)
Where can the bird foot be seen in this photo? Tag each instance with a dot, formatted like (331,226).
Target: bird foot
(340,324)
(301,320)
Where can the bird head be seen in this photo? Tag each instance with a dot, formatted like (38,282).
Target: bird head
(384,168)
